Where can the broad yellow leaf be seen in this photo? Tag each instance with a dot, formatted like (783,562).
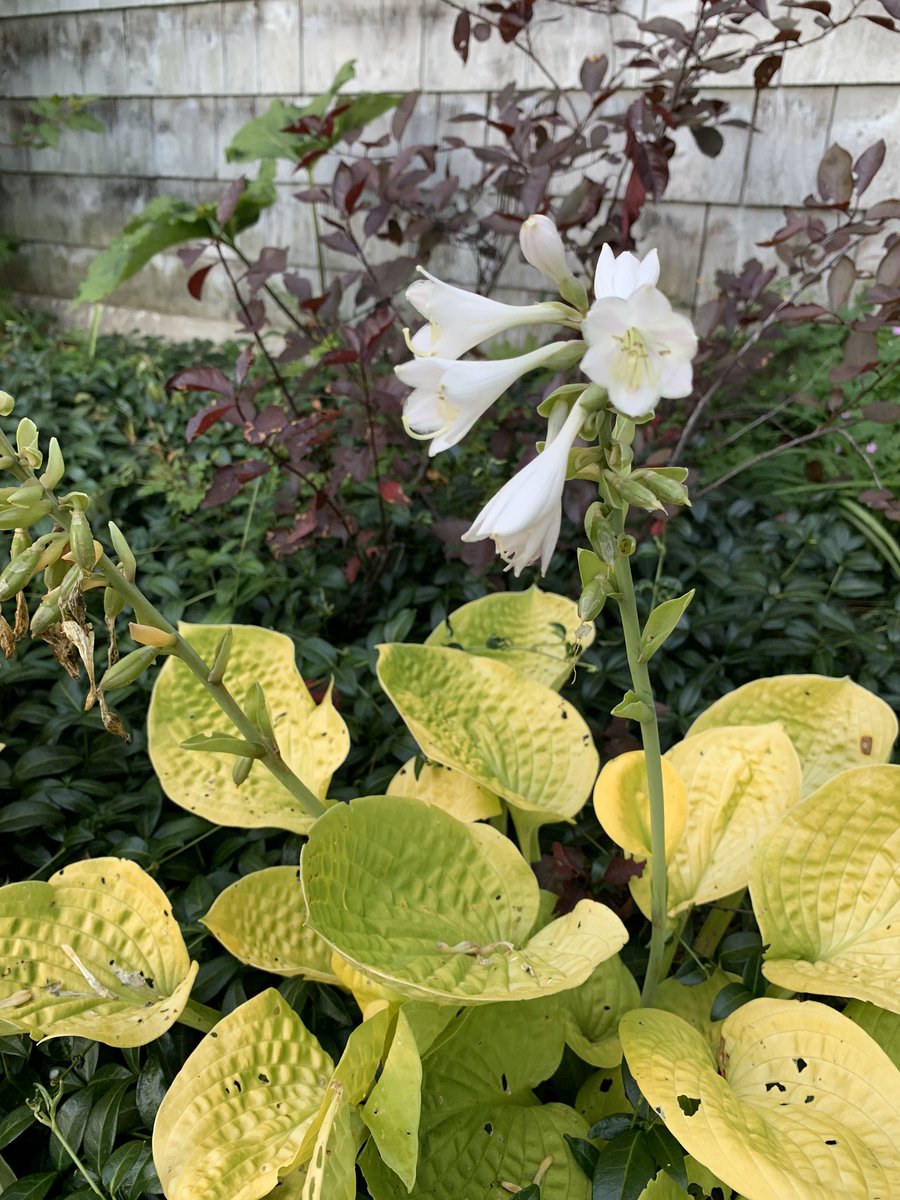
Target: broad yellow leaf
(95,952)
(531,631)
(806,1106)
(438,909)
(740,781)
(512,736)
(826,890)
(694,1003)
(450,790)
(622,803)
(261,920)
(368,994)
(591,1012)
(312,738)
(231,1123)
(833,723)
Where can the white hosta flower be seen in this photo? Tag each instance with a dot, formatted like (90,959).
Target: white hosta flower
(448,396)
(623,274)
(459,320)
(543,248)
(525,515)
(638,348)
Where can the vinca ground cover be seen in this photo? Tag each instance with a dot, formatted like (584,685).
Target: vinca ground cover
(387,927)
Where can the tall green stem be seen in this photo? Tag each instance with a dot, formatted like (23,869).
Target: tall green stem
(640,678)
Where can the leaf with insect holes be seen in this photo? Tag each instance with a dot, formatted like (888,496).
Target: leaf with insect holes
(441,910)
(312,739)
(826,890)
(797,1095)
(230,1125)
(94,952)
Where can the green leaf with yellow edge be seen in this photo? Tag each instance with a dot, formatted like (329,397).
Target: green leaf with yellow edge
(481,1124)
(312,738)
(445,788)
(261,920)
(514,737)
(94,952)
(531,631)
(622,803)
(806,1101)
(833,723)
(882,1026)
(442,910)
(826,890)
(591,1012)
(231,1123)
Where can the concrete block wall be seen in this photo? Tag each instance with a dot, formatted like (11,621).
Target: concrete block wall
(179,77)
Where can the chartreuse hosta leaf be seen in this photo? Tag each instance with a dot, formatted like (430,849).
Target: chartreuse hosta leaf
(231,1123)
(806,1107)
(93,952)
(481,1126)
(833,723)
(450,790)
(694,1003)
(591,1013)
(622,803)
(312,738)
(740,780)
(261,920)
(442,910)
(826,890)
(513,736)
(532,631)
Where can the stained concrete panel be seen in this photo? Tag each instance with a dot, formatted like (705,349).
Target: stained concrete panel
(793,134)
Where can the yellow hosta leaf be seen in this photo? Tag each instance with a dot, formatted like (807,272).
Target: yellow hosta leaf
(393,1109)
(740,780)
(622,803)
(261,920)
(826,890)
(437,909)
(512,736)
(312,738)
(94,952)
(833,723)
(231,1123)
(371,996)
(531,631)
(694,1003)
(807,1106)
(450,790)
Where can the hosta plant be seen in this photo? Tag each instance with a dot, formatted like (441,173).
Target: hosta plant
(766,1066)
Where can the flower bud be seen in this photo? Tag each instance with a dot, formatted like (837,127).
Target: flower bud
(27,443)
(664,485)
(113,603)
(17,574)
(70,582)
(543,248)
(220,658)
(594,596)
(128,669)
(24,497)
(257,710)
(631,491)
(149,635)
(222,743)
(15,517)
(240,770)
(7,404)
(21,541)
(81,541)
(127,561)
(46,615)
(56,467)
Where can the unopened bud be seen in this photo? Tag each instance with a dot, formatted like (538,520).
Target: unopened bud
(71,580)
(220,658)
(81,541)
(626,545)
(21,541)
(7,404)
(16,517)
(27,443)
(46,615)
(257,710)
(593,597)
(55,573)
(149,635)
(664,484)
(56,467)
(241,769)
(600,533)
(17,574)
(53,550)
(632,491)
(543,248)
(113,603)
(127,561)
(128,669)
(24,497)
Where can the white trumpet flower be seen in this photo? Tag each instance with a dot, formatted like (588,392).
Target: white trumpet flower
(524,517)
(638,349)
(448,396)
(543,248)
(623,274)
(459,320)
